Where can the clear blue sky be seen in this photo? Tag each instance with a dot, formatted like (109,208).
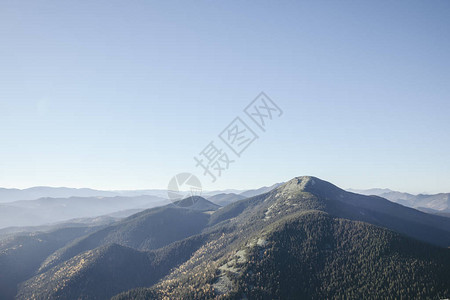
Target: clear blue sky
(123,95)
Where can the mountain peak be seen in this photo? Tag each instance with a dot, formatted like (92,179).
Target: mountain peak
(306,192)
(301,181)
(197,203)
(301,184)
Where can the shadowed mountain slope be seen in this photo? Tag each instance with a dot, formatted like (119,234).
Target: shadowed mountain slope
(150,229)
(21,255)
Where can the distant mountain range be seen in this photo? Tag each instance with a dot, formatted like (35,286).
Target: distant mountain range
(437,203)
(225,198)
(50,210)
(369,192)
(265,189)
(11,195)
(305,239)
